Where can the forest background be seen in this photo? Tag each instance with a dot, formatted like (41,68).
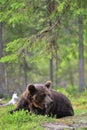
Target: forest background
(43,40)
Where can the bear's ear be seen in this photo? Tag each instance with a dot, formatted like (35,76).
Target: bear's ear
(48,84)
(32,89)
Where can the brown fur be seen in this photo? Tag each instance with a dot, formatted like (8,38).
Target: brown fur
(40,99)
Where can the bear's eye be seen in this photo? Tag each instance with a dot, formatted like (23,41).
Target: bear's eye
(49,95)
(43,95)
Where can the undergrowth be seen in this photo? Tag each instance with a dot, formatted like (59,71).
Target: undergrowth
(22,120)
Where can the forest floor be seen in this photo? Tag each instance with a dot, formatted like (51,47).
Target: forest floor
(78,122)
(22,121)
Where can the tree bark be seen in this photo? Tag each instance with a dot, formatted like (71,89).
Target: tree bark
(50,8)
(25,71)
(1,67)
(51,70)
(81,54)
(6,80)
(70,71)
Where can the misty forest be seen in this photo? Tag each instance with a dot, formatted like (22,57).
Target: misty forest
(43,40)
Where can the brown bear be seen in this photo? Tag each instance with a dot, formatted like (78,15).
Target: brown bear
(41,99)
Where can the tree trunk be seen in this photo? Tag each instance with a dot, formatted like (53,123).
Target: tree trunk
(50,8)
(81,54)
(70,71)
(6,80)
(25,71)
(1,67)
(51,70)
(56,70)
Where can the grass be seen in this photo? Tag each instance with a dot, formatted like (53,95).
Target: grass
(21,120)
(25,121)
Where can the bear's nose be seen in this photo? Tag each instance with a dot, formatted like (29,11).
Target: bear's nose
(51,102)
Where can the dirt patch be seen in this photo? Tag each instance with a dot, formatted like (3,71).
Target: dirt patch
(68,123)
(57,126)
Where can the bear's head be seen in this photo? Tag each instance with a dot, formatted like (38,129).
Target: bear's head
(39,95)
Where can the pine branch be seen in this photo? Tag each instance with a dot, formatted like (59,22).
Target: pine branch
(41,34)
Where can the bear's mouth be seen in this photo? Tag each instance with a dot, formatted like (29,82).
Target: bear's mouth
(48,107)
(38,106)
(43,106)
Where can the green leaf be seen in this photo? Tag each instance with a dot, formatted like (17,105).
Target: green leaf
(9,58)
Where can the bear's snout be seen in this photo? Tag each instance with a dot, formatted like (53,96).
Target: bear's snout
(51,103)
(48,101)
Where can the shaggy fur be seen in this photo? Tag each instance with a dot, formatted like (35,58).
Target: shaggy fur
(41,99)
